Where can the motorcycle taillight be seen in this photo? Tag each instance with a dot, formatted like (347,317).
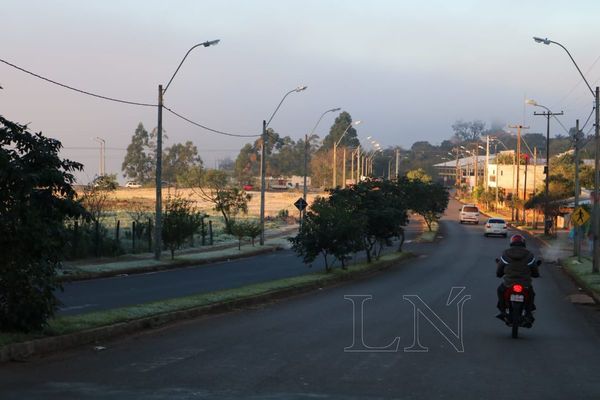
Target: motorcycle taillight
(517,288)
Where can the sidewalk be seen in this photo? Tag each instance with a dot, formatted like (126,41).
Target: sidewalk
(276,239)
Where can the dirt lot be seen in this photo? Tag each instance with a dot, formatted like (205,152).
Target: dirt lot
(123,198)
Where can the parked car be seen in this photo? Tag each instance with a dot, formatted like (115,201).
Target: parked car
(133,185)
(496,226)
(469,213)
(248,188)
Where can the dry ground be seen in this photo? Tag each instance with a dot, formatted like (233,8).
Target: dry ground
(125,199)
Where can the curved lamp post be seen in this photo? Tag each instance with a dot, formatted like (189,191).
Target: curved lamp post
(161,92)
(263,162)
(335,145)
(596,209)
(307,139)
(547,114)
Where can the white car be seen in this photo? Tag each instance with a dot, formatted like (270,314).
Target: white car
(469,213)
(496,226)
(133,185)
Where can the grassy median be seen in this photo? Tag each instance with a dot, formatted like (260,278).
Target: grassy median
(583,271)
(70,324)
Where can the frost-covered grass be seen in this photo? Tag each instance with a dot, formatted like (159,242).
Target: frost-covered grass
(70,324)
(583,271)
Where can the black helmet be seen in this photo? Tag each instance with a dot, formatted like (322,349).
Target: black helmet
(517,240)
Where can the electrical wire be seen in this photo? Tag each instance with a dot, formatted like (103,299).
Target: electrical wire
(588,118)
(206,127)
(134,103)
(119,100)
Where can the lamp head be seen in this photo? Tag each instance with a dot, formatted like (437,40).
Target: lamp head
(300,88)
(540,40)
(335,109)
(211,42)
(531,102)
(357,122)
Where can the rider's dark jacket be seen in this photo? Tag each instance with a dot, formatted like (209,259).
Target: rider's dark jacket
(517,265)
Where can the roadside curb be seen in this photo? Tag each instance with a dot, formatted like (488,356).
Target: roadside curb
(163,267)
(42,346)
(580,282)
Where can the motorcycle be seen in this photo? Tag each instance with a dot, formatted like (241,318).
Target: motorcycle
(515,298)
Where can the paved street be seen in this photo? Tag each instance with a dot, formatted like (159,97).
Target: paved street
(101,294)
(295,348)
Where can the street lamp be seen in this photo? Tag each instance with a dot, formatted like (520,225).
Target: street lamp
(596,210)
(263,163)
(335,145)
(307,138)
(547,114)
(102,142)
(161,92)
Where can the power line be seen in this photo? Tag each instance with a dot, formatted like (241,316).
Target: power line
(206,127)
(119,100)
(77,90)
(588,118)
(125,149)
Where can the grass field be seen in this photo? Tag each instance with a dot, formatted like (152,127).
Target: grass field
(124,199)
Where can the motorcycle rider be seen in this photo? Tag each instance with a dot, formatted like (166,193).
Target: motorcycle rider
(517,265)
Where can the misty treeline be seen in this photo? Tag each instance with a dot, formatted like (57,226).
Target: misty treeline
(285,156)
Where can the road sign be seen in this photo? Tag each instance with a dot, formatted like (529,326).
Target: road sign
(580,216)
(300,204)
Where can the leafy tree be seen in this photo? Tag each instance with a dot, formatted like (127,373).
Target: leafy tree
(468,131)
(247,164)
(95,199)
(328,230)
(418,174)
(213,186)
(382,207)
(36,195)
(253,230)
(429,200)
(180,221)
(138,164)
(340,125)
(106,182)
(179,160)
(321,168)
(245,228)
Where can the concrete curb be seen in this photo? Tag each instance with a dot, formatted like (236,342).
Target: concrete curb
(581,283)
(42,346)
(168,265)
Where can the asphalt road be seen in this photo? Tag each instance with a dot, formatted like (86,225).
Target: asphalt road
(102,294)
(294,349)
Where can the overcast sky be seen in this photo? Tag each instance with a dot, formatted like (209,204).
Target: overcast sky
(407,69)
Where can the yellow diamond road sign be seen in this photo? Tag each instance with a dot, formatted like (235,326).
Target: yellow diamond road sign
(580,216)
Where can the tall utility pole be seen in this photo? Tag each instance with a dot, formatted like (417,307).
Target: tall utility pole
(102,167)
(518,161)
(475,163)
(487,162)
(534,186)
(159,130)
(596,210)
(344,169)
(397,163)
(263,181)
(576,238)
(548,114)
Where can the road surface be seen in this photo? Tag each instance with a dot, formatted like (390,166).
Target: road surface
(106,293)
(294,349)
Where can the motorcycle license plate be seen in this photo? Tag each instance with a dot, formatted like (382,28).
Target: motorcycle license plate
(517,297)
